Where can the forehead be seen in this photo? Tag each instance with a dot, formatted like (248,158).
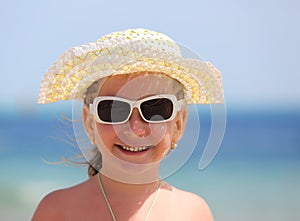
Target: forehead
(137,85)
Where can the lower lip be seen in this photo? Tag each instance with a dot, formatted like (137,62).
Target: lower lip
(133,153)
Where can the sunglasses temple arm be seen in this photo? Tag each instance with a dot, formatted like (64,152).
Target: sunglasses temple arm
(91,107)
(181,104)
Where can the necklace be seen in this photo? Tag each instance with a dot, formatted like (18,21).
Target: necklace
(109,206)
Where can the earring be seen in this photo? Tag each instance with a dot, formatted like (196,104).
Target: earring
(173,145)
(93,141)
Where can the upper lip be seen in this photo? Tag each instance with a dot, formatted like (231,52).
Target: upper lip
(134,146)
(134,143)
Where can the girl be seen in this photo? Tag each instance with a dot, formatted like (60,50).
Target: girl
(135,86)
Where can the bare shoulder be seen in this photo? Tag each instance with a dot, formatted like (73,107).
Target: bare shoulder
(55,205)
(194,206)
(47,208)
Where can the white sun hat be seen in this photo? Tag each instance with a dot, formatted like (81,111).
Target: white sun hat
(127,52)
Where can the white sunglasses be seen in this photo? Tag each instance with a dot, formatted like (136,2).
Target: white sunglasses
(153,109)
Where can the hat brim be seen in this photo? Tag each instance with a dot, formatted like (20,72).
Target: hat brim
(70,76)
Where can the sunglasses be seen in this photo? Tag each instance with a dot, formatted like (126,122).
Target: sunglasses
(153,109)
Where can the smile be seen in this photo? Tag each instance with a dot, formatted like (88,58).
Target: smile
(134,149)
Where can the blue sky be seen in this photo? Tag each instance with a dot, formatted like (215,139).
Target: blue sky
(254,43)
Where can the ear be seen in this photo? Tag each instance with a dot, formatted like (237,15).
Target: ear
(88,122)
(180,122)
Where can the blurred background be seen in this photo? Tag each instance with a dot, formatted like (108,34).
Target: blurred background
(255,44)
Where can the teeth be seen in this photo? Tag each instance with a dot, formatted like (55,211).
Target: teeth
(135,149)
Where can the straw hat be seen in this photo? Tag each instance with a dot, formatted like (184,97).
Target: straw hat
(124,52)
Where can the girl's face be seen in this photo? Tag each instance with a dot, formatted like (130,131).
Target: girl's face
(136,142)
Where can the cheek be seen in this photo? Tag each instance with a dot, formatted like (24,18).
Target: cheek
(165,144)
(161,149)
(104,134)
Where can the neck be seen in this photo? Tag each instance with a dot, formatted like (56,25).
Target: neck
(127,173)
(118,189)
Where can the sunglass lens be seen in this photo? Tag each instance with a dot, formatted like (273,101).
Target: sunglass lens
(158,109)
(113,111)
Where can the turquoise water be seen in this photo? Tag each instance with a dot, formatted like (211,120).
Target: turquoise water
(255,175)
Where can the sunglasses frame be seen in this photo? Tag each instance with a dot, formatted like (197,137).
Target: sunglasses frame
(177,106)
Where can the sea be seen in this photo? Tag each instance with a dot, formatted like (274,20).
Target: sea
(255,175)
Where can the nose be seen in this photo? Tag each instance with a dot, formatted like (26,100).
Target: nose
(138,125)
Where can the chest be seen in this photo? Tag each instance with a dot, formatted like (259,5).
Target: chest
(95,208)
